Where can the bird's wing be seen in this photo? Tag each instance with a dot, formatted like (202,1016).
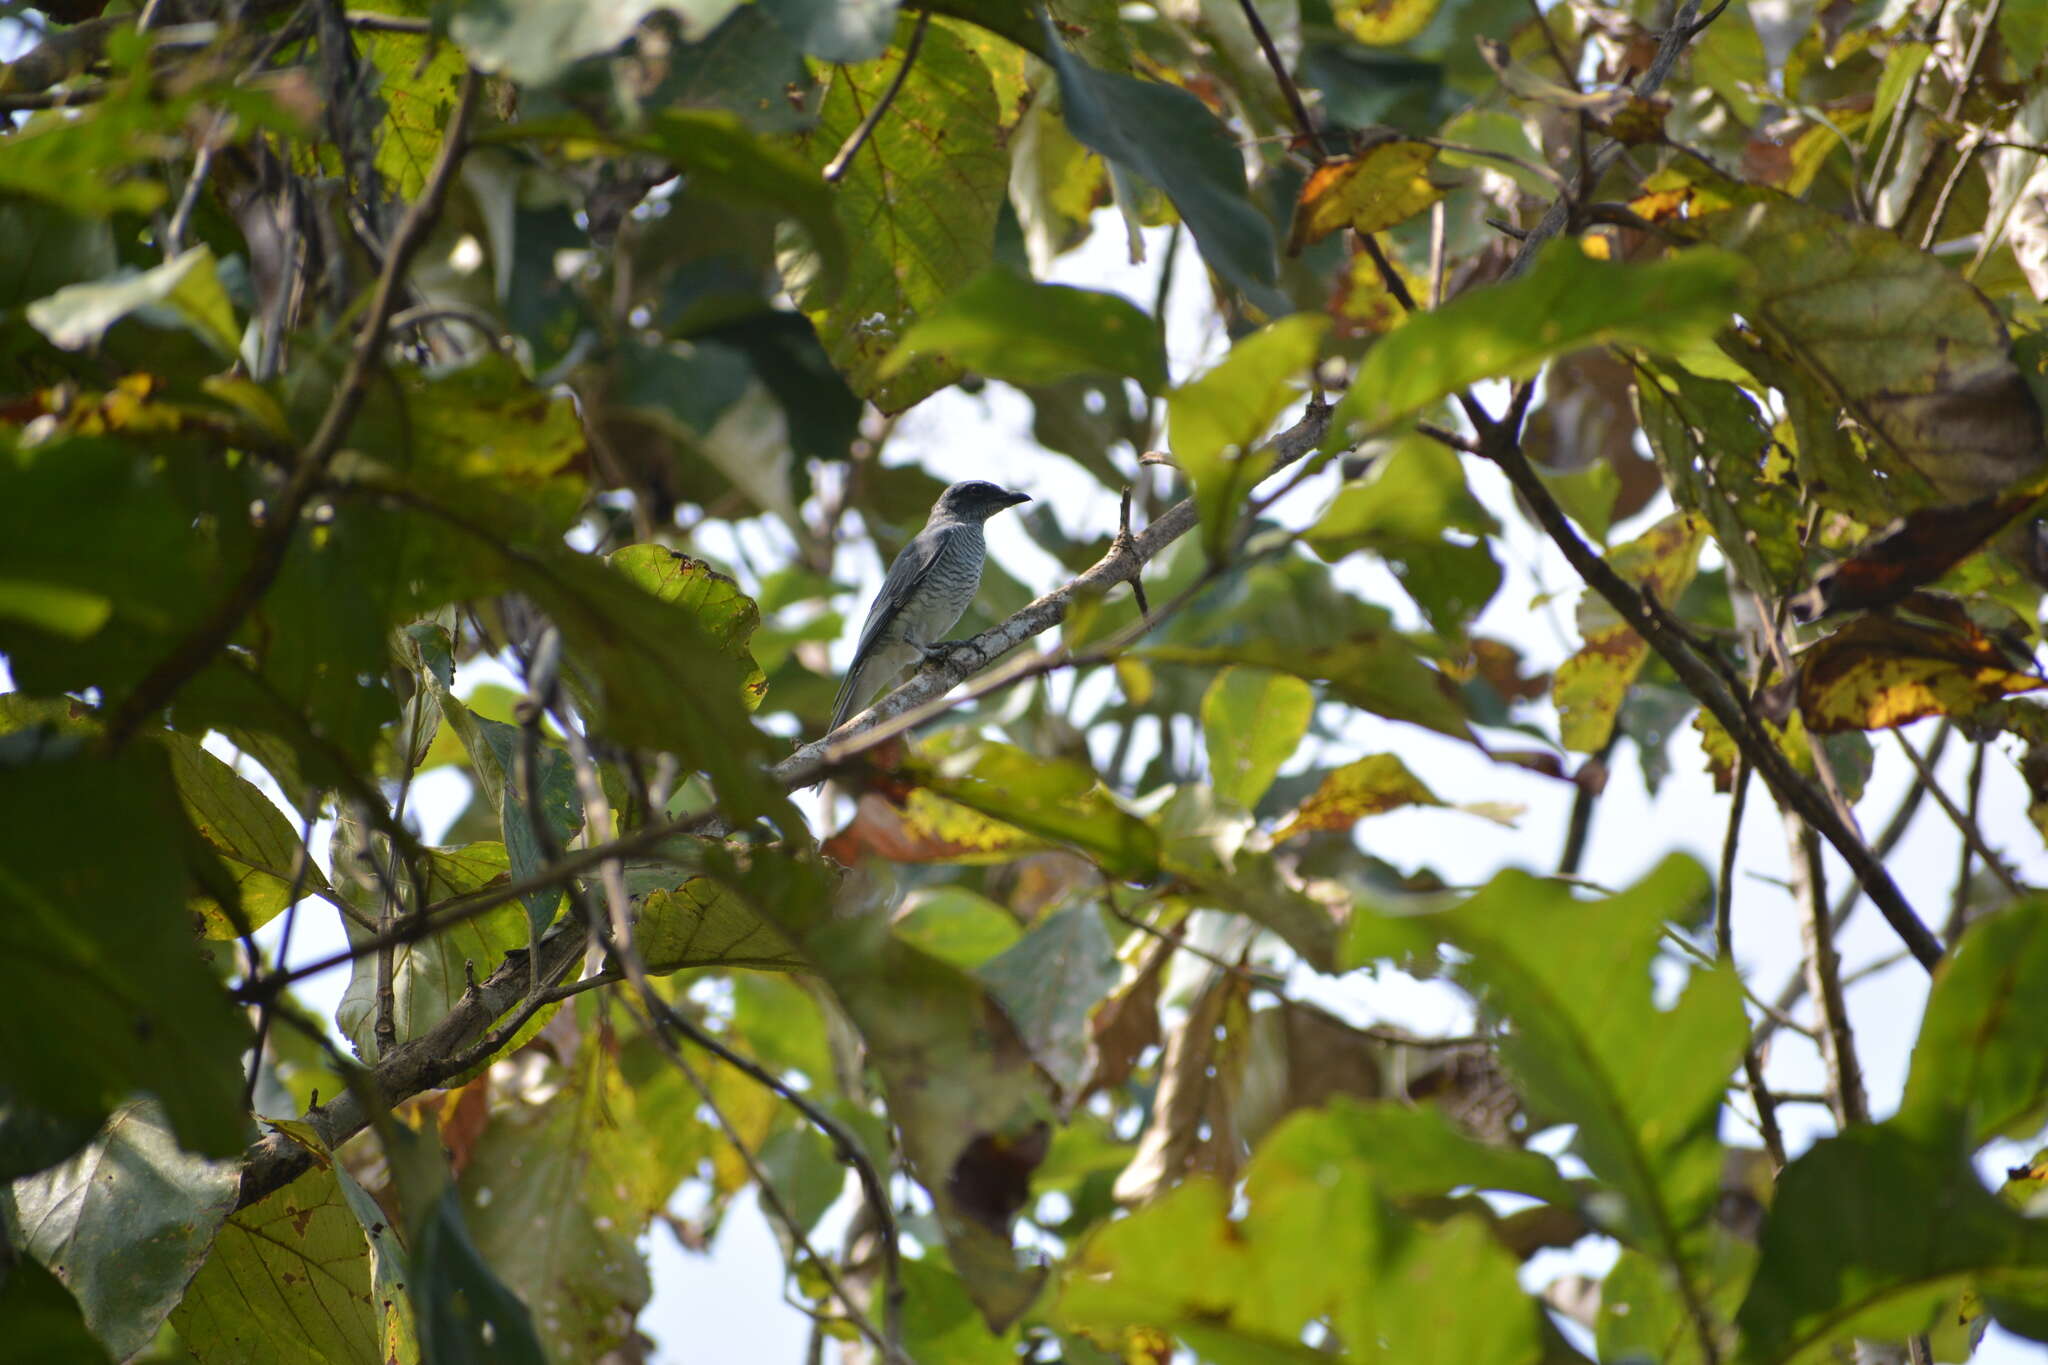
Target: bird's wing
(899,585)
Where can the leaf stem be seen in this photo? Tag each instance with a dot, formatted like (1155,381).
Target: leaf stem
(836,167)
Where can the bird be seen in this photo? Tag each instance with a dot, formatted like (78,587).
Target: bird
(926,590)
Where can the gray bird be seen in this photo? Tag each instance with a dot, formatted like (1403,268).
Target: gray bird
(924,594)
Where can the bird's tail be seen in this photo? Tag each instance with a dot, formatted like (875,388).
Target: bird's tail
(848,700)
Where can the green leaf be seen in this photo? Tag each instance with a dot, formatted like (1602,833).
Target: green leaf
(1574,980)
(1852,1251)
(955,925)
(1168,136)
(428,975)
(1400,510)
(921,210)
(1979,1060)
(43,1320)
(104,944)
(663,679)
(535,41)
(1714,448)
(700,923)
(725,160)
(466,1314)
(419,78)
(125,1223)
(727,614)
(289,1279)
(182,292)
(1215,423)
(249,833)
(1367,786)
(1411,1151)
(1050,982)
(1376,671)
(1251,721)
(543,1200)
(1057,799)
(548,797)
(78,161)
(962,1090)
(1316,1240)
(1005,326)
(1567,301)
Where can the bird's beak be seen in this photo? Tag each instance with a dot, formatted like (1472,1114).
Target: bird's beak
(1015,498)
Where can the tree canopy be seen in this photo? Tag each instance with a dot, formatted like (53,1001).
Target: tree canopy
(346,352)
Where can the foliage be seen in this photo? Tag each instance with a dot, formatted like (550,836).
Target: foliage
(347,357)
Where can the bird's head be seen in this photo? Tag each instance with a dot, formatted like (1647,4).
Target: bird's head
(975,500)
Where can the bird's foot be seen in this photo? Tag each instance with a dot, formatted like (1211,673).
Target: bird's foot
(940,652)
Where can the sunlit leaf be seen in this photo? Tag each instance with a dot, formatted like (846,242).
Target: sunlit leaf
(262,851)
(1251,721)
(1565,302)
(182,292)
(728,615)
(700,924)
(1978,1058)
(1878,672)
(1216,421)
(1006,327)
(921,209)
(1381,187)
(1383,23)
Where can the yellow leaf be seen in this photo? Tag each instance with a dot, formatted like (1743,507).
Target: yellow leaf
(1375,190)
(1382,23)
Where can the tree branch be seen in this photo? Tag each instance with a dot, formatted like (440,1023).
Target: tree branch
(1706,685)
(434,1057)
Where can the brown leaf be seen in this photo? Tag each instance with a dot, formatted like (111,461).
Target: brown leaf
(925,828)
(1126,1024)
(991,1180)
(1198,1083)
(1913,551)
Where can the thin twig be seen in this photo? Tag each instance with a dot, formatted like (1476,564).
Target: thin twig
(1959,900)
(836,167)
(1288,90)
(1684,28)
(1973,835)
(1724,892)
(302,865)
(212,634)
(1824,974)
